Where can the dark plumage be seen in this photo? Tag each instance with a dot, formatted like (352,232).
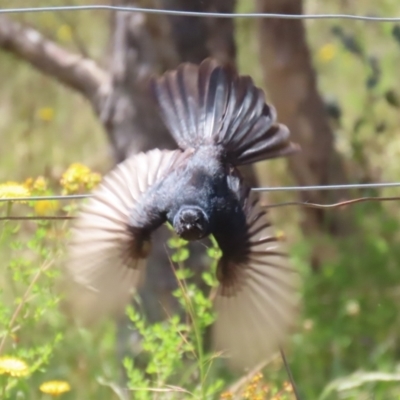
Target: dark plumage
(220,120)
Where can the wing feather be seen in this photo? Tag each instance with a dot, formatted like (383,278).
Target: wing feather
(257,301)
(103,265)
(210,104)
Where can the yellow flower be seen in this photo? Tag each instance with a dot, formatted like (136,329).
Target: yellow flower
(40,184)
(13,366)
(78,178)
(55,388)
(226,395)
(42,207)
(64,33)
(46,114)
(28,183)
(327,52)
(257,378)
(287,387)
(93,180)
(13,189)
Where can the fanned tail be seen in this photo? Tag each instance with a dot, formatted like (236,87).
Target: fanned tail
(212,105)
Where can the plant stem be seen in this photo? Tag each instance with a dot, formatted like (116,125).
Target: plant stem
(197,333)
(42,268)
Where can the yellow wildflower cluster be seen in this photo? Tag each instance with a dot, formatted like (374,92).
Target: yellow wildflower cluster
(256,389)
(13,366)
(55,388)
(13,189)
(79,178)
(43,207)
(37,186)
(40,184)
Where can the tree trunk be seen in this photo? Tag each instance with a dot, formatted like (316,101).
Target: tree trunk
(144,45)
(291,84)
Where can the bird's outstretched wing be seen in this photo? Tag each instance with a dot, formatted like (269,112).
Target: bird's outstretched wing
(111,236)
(256,301)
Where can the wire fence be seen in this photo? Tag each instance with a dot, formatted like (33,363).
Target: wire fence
(103,7)
(256,189)
(282,204)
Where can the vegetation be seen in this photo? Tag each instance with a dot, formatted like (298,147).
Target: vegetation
(347,343)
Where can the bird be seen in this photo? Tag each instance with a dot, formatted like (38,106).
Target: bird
(220,121)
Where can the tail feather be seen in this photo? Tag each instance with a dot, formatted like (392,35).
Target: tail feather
(211,105)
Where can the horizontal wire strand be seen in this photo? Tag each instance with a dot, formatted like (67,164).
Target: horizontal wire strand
(328,187)
(41,198)
(36,218)
(285,204)
(100,7)
(262,189)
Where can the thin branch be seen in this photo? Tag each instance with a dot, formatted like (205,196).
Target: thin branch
(290,375)
(73,70)
(45,266)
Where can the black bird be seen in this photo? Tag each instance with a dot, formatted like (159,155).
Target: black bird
(220,121)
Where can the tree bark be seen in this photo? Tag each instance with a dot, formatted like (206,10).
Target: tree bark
(144,45)
(292,87)
(198,38)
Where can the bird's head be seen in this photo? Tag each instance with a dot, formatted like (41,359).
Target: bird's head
(191,223)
